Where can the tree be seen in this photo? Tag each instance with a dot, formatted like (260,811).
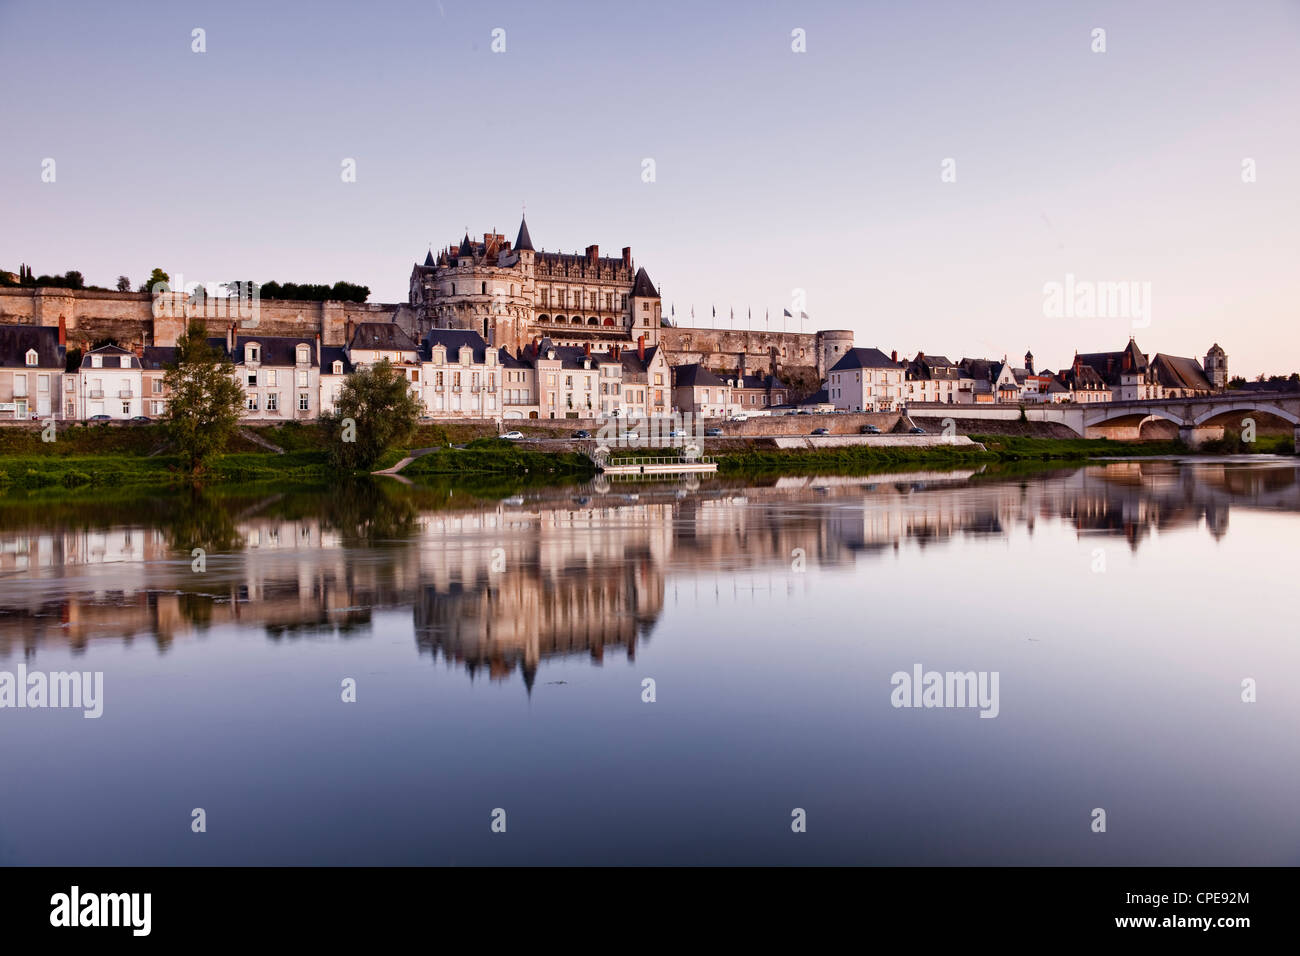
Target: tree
(155,278)
(123,284)
(204,402)
(375,411)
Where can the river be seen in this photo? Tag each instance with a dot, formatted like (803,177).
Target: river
(704,672)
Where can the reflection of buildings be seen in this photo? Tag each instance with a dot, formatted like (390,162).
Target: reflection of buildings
(501,588)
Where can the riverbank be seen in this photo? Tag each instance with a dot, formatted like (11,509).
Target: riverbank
(102,457)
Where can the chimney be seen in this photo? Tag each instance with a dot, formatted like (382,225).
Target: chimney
(230,338)
(586,350)
(593,253)
(347,333)
(627,258)
(640,339)
(893,356)
(318,349)
(63,332)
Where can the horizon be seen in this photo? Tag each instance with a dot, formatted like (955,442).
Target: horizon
(774,170)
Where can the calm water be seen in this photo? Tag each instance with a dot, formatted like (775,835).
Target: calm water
(499,650)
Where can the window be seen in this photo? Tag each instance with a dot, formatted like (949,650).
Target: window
(304,402)
(273,402)
(157,407)
(270,376)
(623,303)
(97,361)
(157,386)
(304,356)
(252,379)
(252,353)
(338,368)
(126,408)
(252,402)
(302,378)
(20,386)
(69,409)
(31,356)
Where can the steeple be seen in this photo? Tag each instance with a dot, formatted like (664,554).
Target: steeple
(428,259)
(523,241)
(466,247)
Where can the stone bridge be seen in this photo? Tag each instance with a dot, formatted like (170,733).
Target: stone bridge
(1197,419)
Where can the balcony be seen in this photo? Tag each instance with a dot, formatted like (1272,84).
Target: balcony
(96,393)
(125,393)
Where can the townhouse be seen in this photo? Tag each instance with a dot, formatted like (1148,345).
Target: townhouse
(109,384)
(32,372)
(866,380)
(699,392)
(936,378)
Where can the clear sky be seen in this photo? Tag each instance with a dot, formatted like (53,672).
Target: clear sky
(774,170)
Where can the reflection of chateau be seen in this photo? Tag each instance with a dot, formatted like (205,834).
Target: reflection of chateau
(503,587)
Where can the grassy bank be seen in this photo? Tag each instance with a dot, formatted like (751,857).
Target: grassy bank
(493,456)
(997,448)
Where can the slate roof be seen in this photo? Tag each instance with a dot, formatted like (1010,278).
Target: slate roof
(329,354)
(382,335)
(279,350)
(15,340)
(158,356)
(453,340)
(694,376)
(107,350)
(864,358)
(642,286)
(1173,371)
(523,240)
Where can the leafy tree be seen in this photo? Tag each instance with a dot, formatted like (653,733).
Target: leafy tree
(375,411)
(123,284)
(72,360)
(156,277)
(205,401)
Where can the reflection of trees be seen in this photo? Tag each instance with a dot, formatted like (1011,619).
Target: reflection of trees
(198,520)
(363,512)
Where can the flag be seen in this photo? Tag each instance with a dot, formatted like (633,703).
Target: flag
(802,316)
(787,313)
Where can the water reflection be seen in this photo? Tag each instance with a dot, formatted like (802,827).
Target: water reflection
(497,587)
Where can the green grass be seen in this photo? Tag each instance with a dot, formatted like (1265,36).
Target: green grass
(491,456)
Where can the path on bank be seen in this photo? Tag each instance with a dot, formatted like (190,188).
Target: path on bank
(418,453)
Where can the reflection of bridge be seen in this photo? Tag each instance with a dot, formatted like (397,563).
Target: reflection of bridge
(1197,419)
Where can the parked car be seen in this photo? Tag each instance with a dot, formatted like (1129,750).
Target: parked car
(581,433)
(739,418)
(513,436)
(916,430)
(869,430)
(713,432)
(142,419)
(677,433)
(820,431)
(632,436)
(100,418)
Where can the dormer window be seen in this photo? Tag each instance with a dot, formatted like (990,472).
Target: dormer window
(31,356)
(252,353)
(97,361)
(304,355)
(338,368)
(439,355)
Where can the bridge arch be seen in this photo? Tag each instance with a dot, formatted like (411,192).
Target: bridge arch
(1245,405)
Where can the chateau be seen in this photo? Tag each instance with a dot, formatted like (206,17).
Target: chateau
(513,294)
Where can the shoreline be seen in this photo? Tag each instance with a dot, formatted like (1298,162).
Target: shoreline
(108,459)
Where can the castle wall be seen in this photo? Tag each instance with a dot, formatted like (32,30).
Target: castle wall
(128,317)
